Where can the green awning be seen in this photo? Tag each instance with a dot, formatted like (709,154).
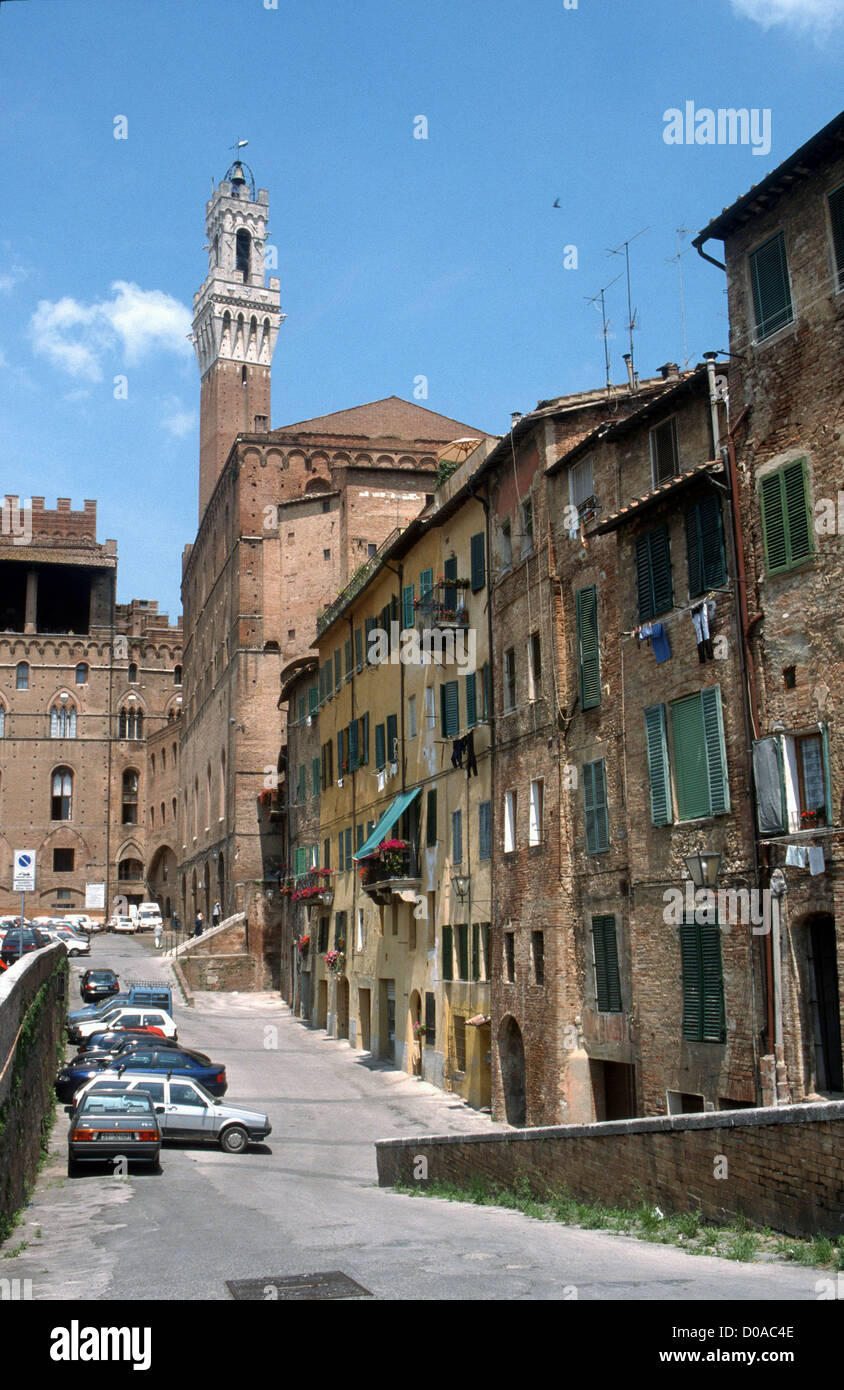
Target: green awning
(387,821)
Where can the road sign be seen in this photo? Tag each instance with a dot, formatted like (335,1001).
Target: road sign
(24,871)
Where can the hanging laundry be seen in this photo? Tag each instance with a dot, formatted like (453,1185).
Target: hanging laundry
(471,763)
(700,620)
(382,780)
(458,748)
(816,859)
(796,855)
(655,634)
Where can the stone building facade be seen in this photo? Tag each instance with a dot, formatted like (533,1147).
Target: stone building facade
(784,254)
(85,682)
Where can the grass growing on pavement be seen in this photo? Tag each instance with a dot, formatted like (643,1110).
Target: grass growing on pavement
(737,1241)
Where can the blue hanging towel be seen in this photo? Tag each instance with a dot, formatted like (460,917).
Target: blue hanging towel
(659,640)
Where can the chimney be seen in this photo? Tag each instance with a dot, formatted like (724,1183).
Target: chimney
(669,371)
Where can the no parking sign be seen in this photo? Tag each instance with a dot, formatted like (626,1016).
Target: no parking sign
(24,871)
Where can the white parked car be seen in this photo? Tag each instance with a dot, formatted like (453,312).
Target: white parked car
(75,945)
(123,924)
(127,1016)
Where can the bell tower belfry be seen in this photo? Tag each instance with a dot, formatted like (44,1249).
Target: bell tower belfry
(236,318)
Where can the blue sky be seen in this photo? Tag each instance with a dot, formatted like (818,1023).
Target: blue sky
(398,257)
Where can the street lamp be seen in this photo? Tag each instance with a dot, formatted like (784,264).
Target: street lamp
(461,883)
(704,868)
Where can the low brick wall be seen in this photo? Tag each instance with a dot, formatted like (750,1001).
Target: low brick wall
(31,1032)
(223,972)
(780,1167)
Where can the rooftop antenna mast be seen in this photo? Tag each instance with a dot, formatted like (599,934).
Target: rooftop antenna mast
(631,315)
(606,326)
(681,251)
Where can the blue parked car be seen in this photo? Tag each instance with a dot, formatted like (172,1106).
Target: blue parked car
(155,995)
(168,1061)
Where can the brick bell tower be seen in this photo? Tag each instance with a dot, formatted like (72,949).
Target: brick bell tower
(236,319)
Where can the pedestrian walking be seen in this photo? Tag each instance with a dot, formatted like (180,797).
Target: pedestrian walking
(175,923)
(159,931)
(199,925)
(216,914)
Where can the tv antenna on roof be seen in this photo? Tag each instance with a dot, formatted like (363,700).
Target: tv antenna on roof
(631,314)
(606,330)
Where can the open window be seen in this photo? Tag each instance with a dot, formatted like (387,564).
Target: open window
(791,777)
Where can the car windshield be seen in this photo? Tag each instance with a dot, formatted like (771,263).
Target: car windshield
(101,977)
(127,1103)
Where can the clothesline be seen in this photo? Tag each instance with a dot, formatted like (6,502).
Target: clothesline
(680,608)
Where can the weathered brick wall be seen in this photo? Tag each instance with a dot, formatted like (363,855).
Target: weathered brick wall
(30,1033)
(222,972)
(784,1167)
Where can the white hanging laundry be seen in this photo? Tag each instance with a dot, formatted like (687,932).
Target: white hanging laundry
(382,780)
(816,859)
(796,855)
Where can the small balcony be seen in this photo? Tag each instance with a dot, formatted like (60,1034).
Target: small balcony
(392,869)
(444,606)
(313,888)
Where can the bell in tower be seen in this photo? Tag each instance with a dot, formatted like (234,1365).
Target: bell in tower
(236,318)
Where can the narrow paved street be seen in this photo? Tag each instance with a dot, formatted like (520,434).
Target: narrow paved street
(307,1201)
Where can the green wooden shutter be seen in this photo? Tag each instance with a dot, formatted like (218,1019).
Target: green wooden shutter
(826,778)
(364,739)
(370,624)
(450,709)
(771,291)
(713,1020)
(476,950)
(658,769)
(607,978)
(315,777)
(692,1026)
(360,836)
(426,584)
(471,701)
(340,751)
(341,857)
(313,700)
(588,647)
(653,573)
(392,737)
(773,523)
(449,591)
(716,752)
(408,594)
(301,862)
(798,519)
(705,546)
(359,648)
(485,830)
(338,669)
(349,847)
(691,774)
(352,737)
(302,789)
(380,743)
(431,819)
(463,951)
(448,954)
(478,562)
(347,658)
(457,836)
(595,807)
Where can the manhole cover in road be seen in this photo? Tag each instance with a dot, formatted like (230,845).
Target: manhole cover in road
(333,1284)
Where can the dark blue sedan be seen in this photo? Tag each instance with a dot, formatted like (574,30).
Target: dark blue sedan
(169,1061)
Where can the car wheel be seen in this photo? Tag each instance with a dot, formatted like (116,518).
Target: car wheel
(234,1140)
(73,1168)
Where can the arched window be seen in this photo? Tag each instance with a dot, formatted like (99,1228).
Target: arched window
(133,672)
(163,759)
(22,676)
(2,720)
(130,869)
(62,720)
(130,722)
(129,797)
(177,675)
(152,817)
(243,247)
(61,804)
(174,803)
(163,814)
(82,673)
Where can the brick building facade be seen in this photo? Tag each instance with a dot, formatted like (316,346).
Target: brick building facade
(85,683)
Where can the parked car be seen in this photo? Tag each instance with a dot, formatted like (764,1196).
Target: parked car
(73,944)
(186,1110)
(111,1124)
(83,922)
(144,992)
(164,1058)
(96,985)
(21,941)
(121,923)
(124,1016)
(110,1039)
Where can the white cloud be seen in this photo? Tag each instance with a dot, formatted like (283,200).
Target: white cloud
(177,419)
(819,16)
(9,277)
(133,323)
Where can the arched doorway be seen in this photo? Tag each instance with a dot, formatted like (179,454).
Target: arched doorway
(511,1054)
(415,1039)
(823,1002)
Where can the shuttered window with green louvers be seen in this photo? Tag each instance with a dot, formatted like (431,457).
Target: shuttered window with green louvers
(380,746)
(700,759)
(771,290)
(471,701)
(341,752)
(313,700)
(408,594)
(315,770)
(338,669)
(450,709)
(352,736)
(705,546)
(607,979)
(653,573)
(658,769)
(588,647)
(359,648)
(392,738)
(595,807)
(786,520)
(478,562)
(364,739)
(448,954)
(703,983)
(836,218)
(431,819)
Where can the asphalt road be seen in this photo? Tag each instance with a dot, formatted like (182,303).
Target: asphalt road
(307,1200)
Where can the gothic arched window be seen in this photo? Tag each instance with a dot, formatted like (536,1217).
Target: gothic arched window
(22,676)
(130,722)
(129,797)
(243,249)
(61,803)
(62,720)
